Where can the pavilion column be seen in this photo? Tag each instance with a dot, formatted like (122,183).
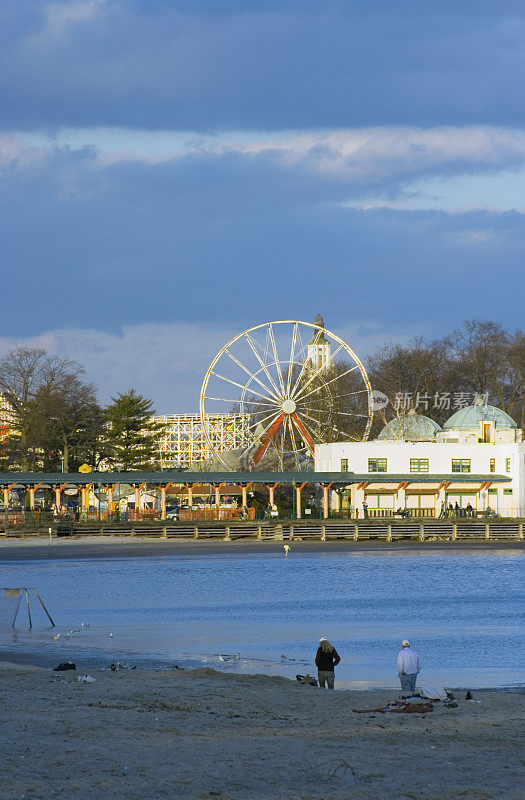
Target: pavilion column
(401,496)
(271,496)
(137,501)
(6,494)
(298,490)
(326,487)
(244,490)
(190,495)
(31,497)
(58,498)
(217,499)
(109,497)
(163,502)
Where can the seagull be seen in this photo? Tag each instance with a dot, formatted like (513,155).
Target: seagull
(56,638)
(111,636)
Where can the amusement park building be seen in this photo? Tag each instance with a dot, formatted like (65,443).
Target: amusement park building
(183,443)
(477,440)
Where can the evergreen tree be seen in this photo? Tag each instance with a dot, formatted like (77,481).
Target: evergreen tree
(132,437)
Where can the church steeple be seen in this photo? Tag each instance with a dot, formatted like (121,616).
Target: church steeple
(319,347)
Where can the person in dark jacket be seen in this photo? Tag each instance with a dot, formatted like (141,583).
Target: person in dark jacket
(326,659)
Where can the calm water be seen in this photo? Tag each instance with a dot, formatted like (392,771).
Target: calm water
(461,611)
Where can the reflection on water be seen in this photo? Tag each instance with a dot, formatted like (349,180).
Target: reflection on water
(462,612)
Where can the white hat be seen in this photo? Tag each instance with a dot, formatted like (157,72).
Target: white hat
(405,643)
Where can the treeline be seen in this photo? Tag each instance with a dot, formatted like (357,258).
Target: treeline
(480,360)
(57,423)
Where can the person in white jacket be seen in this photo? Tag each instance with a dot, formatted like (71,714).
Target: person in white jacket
(408,667)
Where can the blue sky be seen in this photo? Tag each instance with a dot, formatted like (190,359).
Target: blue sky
(173,172)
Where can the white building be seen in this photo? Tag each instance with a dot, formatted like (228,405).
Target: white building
(478,459)
(319,348)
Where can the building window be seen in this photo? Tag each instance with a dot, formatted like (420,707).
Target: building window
(461,465)
(493,491)
(507,465)
(344,465)
(419,465)
(377,464)
(507,491)
(493,465)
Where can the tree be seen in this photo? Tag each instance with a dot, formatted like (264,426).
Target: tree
(51,407)
(131,439)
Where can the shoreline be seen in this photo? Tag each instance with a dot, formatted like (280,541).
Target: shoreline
(142,547)
(195,734)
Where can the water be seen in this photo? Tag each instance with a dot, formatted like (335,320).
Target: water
(460,610)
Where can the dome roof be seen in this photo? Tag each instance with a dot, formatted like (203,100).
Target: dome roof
(469,418)
(411,428)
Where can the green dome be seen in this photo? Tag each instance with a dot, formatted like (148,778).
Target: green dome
(469,418)
(411,428)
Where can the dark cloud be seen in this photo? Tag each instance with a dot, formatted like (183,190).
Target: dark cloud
(208,66)
(202,239)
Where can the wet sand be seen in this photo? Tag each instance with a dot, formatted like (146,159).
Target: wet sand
(140,547)
(201,734)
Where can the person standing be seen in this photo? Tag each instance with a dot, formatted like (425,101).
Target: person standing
(365,510)
(326,659)
(408,667)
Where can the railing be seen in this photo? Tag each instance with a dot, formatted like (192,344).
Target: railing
(446,530)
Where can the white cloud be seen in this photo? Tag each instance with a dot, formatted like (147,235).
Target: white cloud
(454,169)
(61,16)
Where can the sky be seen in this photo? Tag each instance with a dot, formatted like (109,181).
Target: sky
(174,172)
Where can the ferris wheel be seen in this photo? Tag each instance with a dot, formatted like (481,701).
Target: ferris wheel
(288,385)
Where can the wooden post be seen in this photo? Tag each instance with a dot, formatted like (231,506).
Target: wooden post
(279,533)
(290,533)
(217,500)
(6,494)
(356,533)
(32,498)
(227,537)
(323,533)
(388,532)
(455,530)
(163,502)
(421,533)
(164,533)
(58,499)
(259,533)
(190,495)
(244,491)
(298,490)
(520,531)
(325,500)
(487,530)
(195,532)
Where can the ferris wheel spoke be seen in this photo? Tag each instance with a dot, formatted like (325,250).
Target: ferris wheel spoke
(261,362)
(317,372)
(292,356)
(314,433)
(240,385)
(276,355)
(327,383)
(230,400)
(250,373)
(307,435)
(294,444)
(350,414)
(269,417)
(304,365)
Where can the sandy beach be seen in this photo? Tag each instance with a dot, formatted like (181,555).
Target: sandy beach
(202,734)
(141,546)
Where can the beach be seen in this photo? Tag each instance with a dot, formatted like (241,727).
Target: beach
(192,734)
